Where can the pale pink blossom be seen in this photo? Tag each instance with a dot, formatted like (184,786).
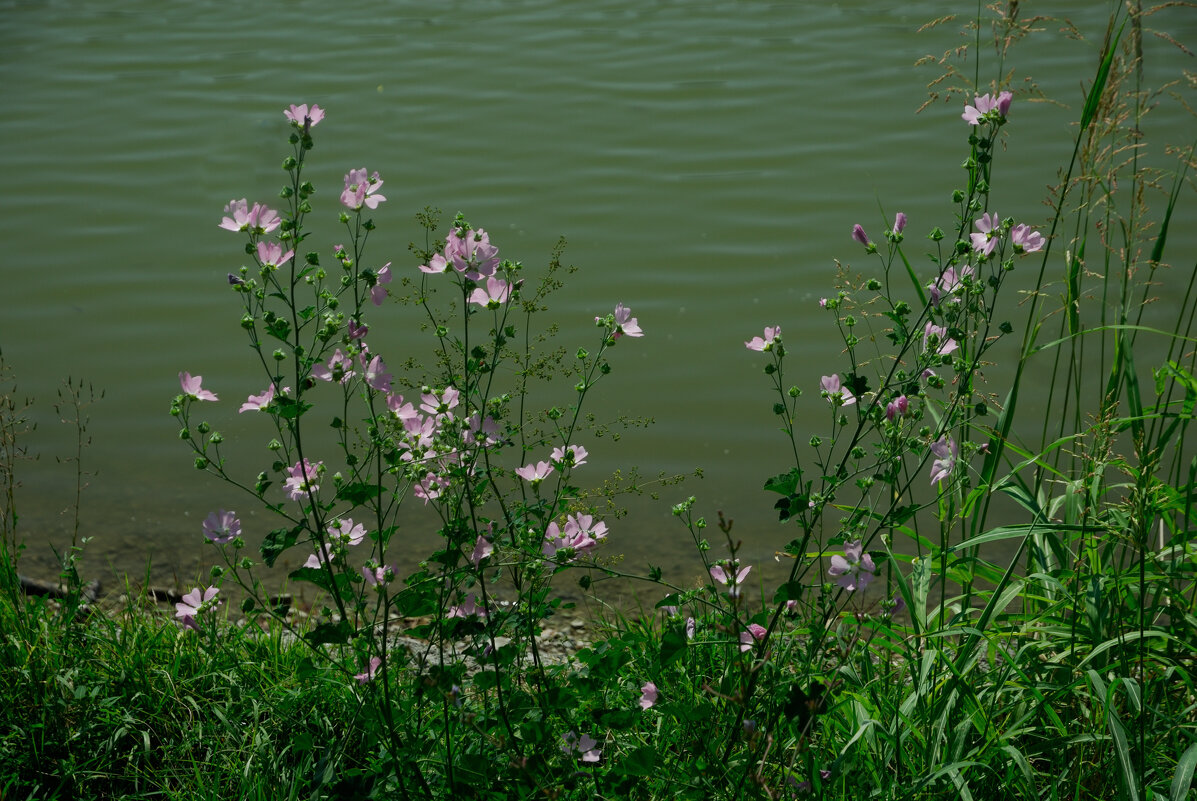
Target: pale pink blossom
(371,668)
(195,603)
(754,633)
(302,117)
(493,296)
(469,253)
(378,292)
(361,190)
(899,223)
(256,403)
(343,531)
(192,387)
(858,233)
(338,368)
(572,455)
(430,488)
(470,608)
(378,577)
(581,535)
(257,220)
(946,453)
(648,695)
(834,390)
(984,104)
(944,344)
(855,569)
(949,283)
(765,343)
(270,254)
(534,473)
(302,479)
(1026,240)
(730,575)
(356,331)
(989,232)
(222,527)
(377,376)
(625,323)
(583,747)
(898,407)
(482,549)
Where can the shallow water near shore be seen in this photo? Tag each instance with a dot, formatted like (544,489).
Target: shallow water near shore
(706,162)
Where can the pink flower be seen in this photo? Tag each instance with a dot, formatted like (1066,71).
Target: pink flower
(361,191)
(898,407)
(945,344)
(572,455)
(378,577)
(337,369)
(730,576)
(1025,240)
(534,473)
(858,233)
(835,391)
(192,389)
(822,303)
(625,323)
(990,231)
(377,376)
(690,627)
(468,609)
(975,115)
(583,746)
(356,331)
(581,535)
(945,452)
(368,674)
(948,284)
(469,253)
(899,223)
(854,569)
(195,603)
(440,404)
(482,549)
(256,403)
(494,296)
(270,254)
(772,335)
(648,695)
(301,117)
(754,633)
(302,478)
(222,527)
(258,220)
(430,488)
(378,292)
(346,532)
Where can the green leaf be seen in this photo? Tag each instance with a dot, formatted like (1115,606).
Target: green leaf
(1182,780)
(278,541)
(332,633)
(359,493)
(641,761)
(673,644)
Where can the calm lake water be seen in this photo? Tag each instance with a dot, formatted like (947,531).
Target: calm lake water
(706,161)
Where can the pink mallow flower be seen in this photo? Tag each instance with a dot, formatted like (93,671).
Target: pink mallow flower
(989,232)
(495,295)
(534,473)
(944,344)
(1025,240)
(899,223)
(192,387)
(468,252)
(858,233)
(256,403)
(948,283)
(945,452)
(377,376)
(754,633)
(731,576)
(834,390)
(625,323)
(482,549)
(898,407)
(854,570)
(583,747)
(222,527)
(648,695)
(581,535)
(302,478)
(361,190)
(378,292)
(984,104)
(468,609)
(368,674)
(195,603)
(257,220)
(301,116)
(270,254)
(571,455)
(378,577)
(765,343)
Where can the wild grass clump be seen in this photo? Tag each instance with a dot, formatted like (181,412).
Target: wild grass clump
(899,659)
